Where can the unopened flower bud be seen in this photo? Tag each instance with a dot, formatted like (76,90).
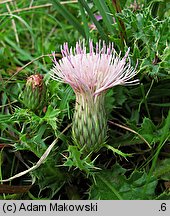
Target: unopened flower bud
(34,95)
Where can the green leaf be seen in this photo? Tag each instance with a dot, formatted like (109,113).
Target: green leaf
(120,95)
(136,184)
(164,196)
(162,170)
(147,130)
(164,136)
(113,185)
(49,178)
(51,116)
(114,98)
(105,13)
(31,144)
(75,160)
(165,130)
(24,54)
(21,20)
(67,15)
(98,26)
(118,151)
(85,22)
(123,3)
(5,118)
(107,184)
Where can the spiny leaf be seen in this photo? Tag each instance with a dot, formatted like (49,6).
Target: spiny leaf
(112,185)
(75,160)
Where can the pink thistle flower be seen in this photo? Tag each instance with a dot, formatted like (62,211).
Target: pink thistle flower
(90,74)
(94,71)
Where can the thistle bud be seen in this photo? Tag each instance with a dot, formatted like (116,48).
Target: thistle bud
(89,128)
(34,95)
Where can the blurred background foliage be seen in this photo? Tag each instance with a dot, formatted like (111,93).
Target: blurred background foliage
(137,165)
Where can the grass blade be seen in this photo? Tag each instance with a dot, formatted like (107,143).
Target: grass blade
(85,22)
(104,12)
(92,17)
(67,15)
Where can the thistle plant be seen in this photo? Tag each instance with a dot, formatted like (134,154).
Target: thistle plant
(34,94)
(90,74)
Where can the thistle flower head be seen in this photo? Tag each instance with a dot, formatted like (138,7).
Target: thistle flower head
(90,73)
(95,71)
